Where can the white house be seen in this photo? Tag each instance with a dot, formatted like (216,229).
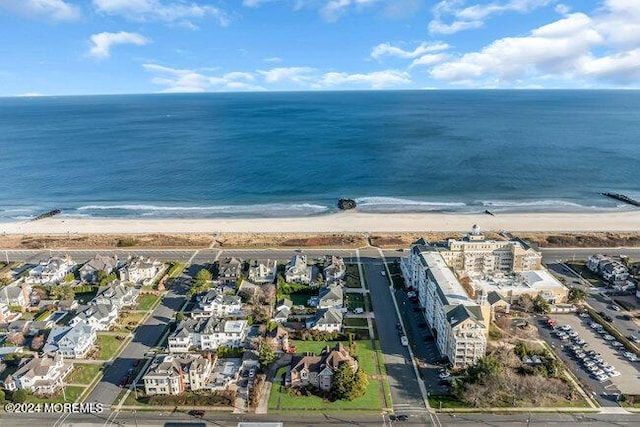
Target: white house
(15,294)
(214,303)
(207,334)
(139,269)
(331,297)
(71,341)
(335,269)
(263,271)
(108,264)
(39,375)
(52,270)
(99,316)
(326,320)
(298,271)
(117,295)
(173,375)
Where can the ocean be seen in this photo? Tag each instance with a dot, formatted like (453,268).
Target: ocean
(295,154)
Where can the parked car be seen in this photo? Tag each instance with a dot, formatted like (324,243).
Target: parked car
(614,307)
(634,339)
(196,413)
(399,417)
(404,341)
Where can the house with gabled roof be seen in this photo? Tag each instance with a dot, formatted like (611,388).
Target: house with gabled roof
(40,375)
(331,296)
(117,295)
(230,270)
(88,272)
(71,341)
(283,310)
(318,371)
(16,294)
(207,334)
(326,320)
(173,375)
(263,271)
(52,270)
(99,316)
(217,304)
(335,269)
(298,271)
(139,269)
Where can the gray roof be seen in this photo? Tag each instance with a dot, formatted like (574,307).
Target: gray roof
(493,297)
(328,316)
(457,314)
(70,334)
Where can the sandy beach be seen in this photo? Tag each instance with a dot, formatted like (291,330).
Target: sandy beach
(337,223)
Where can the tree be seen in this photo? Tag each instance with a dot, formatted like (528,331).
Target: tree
(62,292)
(16,338)
(108,279)
(2,395)
(576,295)
(201,282)
(203,275)
(179,316)
(20,396)
(37,342)
(347,384)
(4,281)
(269,292)
(526,302)
(266,353)
(100,276)
(69,278)
(540,305)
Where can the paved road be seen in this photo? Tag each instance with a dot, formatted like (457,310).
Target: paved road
(312,419)
(81,256)
(566,254)
(145,337)
(405,391)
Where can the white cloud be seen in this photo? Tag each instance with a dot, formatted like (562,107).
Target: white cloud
(604,47)
(177,80)
(429,59)
(54,10)
(30,95)
(297,75)
(273,59)
(472,17)
(170,11)
(103,42)
(334,9)
(256,3)
(374,80)
(386,49)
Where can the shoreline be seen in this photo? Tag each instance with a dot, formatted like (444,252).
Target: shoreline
(342,222)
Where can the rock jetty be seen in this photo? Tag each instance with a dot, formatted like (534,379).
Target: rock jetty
(346,204)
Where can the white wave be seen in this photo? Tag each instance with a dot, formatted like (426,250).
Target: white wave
(534,203)
(259,208)
(376,201)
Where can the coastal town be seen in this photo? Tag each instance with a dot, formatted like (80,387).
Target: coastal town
(475,321)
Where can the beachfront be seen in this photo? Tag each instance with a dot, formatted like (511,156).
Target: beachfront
(336,223)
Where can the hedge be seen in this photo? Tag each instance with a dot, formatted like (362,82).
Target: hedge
(613,331)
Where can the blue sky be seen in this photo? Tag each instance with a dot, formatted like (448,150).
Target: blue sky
(56,47)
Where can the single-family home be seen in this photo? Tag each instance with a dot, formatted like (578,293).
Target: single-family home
(230,270)
(263,271)
(318,371)
(214,303)
(173,375)
(117,295)
(326,320)
(283,310)
(71,341)
(298,271)
(52,270)
(225,373)
(6,315)
(334,269)
(39,375)
(331,296)
(139,269)
(88,272)
(16,294)
(99,316)
(207,334)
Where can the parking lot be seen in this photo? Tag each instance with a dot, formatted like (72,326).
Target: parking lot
(627,380)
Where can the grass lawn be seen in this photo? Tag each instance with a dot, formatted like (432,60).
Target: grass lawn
(83,373)
(355,321)
(145,302)
(357,300)
(396,275)
(352,278)
(71,392)
(300,298)
(108,345)
(440,401)
(128,321)
(580,267)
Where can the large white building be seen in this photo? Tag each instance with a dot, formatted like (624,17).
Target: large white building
(52,270)
(459,323)
(40,375)
(207,334)
(173,375)
(298,271)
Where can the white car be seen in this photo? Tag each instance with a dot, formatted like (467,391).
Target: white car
(411,294)
(602,378)
(614,374)
(584,314)
(383,273)
(444,375)
(608,368)
(617,344)
(404,341)
(609,337)
(566,328)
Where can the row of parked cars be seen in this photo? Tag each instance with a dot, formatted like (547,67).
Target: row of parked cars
(617,345)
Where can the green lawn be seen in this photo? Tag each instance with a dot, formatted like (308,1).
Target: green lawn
(147,301)
(445,401)
(71,392)
(352,278)
(108,345)
(371,401)
(580,267)
(355,321)
(83,373)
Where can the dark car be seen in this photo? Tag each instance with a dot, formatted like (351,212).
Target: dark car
(196,413)
(401,417)
(124,381)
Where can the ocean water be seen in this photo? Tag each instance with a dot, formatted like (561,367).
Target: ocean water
(295,154)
